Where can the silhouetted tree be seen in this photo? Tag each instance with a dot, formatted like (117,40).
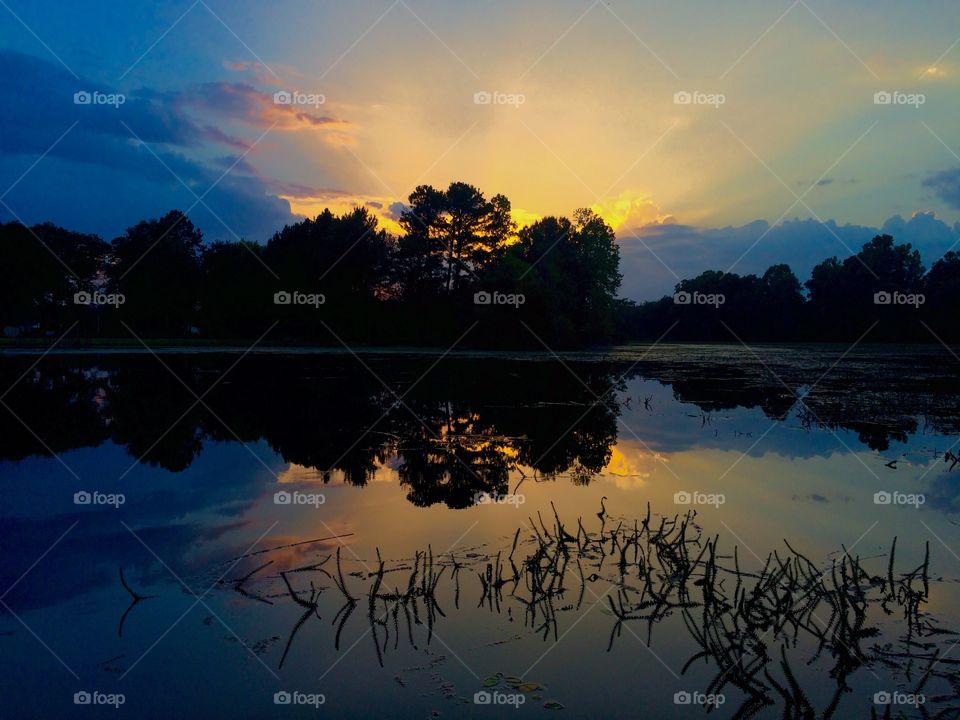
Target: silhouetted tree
(779,305)
(845,297)
(41,268)
(942,291)
(236,295)
(457,250)
(157,266)
(343,258)
(450,235)
(568,272)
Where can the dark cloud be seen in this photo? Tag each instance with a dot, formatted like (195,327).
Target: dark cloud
(823,182)
(946,184)
(247,104)
(396,210)
(117,163)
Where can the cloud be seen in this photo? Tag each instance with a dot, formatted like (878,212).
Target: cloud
(926,232)
(630,209)
(115,164)
(262,74)
(396,209)
(823,182)
(312,203)
(946,184)
(247,104)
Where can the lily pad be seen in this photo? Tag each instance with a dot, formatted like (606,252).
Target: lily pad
(553,705)
(529,687)
(491,681)
(513,681)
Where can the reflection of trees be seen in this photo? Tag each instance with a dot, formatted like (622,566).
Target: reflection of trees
(455,434)
(58,402)
(880,398)
(572,438)
(735,389)
(452,457)
(449,439)
(312,416)
(155,416)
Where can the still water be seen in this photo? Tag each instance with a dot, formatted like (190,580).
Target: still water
(646,532)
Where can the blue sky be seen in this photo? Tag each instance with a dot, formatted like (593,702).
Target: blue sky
(782,154)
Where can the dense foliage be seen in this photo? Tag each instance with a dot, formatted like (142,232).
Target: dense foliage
(880,294)
(459,270)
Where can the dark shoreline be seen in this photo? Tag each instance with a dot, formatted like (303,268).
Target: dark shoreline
(12,346)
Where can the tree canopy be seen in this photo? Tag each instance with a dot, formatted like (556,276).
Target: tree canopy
(459,272)
(459,262)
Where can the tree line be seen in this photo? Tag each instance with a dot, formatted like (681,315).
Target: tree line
(460,271)
(883,293)
(459,262)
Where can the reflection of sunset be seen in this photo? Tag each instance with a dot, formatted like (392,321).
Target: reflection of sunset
(303,475)
(631,465)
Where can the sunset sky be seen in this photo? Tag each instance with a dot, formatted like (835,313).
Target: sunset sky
(584,115)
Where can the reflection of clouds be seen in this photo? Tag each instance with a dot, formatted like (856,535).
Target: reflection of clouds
(943,491)
(296,474)
(192,521)
(294,550)
(303,475)
(631,465)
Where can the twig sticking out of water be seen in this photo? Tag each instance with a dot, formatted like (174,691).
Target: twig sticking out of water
(135,599)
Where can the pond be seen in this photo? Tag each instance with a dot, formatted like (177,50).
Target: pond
(659,531)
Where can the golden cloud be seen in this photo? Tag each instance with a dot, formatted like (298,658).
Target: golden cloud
(630,209)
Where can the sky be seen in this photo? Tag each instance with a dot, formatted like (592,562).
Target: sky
(724,136)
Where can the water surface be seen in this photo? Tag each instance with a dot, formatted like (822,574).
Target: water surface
(641,481)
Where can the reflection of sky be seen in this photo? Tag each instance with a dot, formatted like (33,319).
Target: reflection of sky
(778,478)
(779,481)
